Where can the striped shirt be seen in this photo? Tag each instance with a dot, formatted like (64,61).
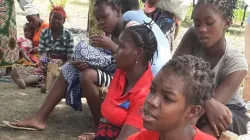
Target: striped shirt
(63,46)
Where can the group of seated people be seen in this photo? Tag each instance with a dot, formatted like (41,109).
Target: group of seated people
(193,95)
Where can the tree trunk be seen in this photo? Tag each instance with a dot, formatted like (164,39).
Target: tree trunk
(92,25)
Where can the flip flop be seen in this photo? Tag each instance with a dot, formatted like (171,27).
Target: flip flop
(5,80)
(88,134)
(22,127)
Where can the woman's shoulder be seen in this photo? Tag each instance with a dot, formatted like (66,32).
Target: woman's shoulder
(234,60)
(202,136)
(45,24)
(233,54)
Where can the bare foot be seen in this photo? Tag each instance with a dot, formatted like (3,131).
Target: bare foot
(87,136)
(32,122)
(17,79)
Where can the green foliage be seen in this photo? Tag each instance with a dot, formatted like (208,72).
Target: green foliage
(59,3)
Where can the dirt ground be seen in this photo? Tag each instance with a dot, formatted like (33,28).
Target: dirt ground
(64,123)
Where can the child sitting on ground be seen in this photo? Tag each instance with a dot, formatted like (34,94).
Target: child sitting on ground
(176,96)
(25,45)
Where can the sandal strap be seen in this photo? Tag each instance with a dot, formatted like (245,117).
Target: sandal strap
(19,123)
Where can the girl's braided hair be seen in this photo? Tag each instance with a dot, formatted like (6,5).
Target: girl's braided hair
(144,38)
(197,77)
(225,6)
(113,3)
(124,5)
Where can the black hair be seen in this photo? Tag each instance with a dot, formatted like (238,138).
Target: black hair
(197,76)
(28,26)
(144,37)
(225,6)
(123,5)
(113,3)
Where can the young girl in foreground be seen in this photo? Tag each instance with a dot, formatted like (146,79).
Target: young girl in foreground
(176,97)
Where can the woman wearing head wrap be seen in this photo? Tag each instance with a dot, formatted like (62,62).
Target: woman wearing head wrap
(56,46)
(32,15)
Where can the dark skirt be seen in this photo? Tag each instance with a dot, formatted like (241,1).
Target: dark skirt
(240,120)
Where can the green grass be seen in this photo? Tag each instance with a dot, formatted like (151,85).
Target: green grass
(77,2)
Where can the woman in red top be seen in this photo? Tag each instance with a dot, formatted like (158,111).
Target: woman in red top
(176,97)
(120,110)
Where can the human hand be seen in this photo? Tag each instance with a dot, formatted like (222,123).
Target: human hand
(80,65)
(103,42)
(33,50)
(219,116)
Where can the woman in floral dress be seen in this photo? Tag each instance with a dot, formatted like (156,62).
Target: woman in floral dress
(8,34)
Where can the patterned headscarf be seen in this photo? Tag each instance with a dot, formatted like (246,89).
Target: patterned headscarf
(30,9)
(60,10)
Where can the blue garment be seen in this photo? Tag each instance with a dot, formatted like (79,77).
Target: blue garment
(248,19)
(163,55)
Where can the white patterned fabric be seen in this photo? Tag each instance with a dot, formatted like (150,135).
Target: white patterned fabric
(30,9)
(98,59)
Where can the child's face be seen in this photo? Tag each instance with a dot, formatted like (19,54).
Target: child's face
(209,24)
(165,108)
(108,18)
(56,20)
(28,33)
(126,53)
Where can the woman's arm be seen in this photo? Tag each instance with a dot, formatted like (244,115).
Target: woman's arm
(187,43)
(228,87)
(127,131)
(219,116)
(246,94)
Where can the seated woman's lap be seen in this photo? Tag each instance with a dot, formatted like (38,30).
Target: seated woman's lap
(240,120)
(99,60)
(74,90)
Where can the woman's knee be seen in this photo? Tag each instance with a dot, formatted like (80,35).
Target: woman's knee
(88,76)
